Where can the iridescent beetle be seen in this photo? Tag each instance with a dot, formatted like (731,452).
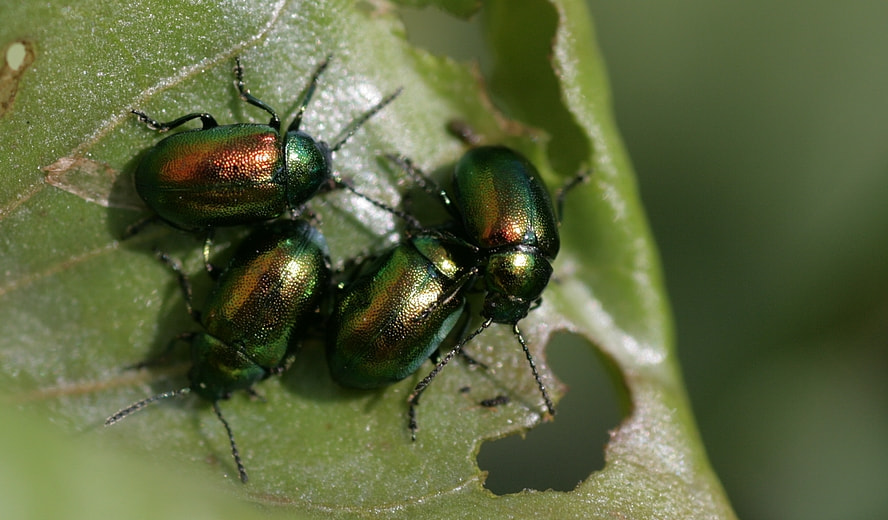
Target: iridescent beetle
(270,289)
(397,313)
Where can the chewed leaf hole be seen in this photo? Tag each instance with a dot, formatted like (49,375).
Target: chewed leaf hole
(561,453)
(443,34)
(15,59)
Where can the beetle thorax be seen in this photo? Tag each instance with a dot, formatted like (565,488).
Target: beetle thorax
(308,166)
(514,278)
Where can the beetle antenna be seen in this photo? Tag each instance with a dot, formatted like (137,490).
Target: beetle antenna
(410,220)
(237,460)
(352,127)
(413,400)
(536,375)
(562,192)
(135,407)
(426,183)
(305,97)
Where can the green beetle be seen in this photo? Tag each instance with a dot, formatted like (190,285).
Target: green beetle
(397,313)
(271,288)
(236,174)
(393,317)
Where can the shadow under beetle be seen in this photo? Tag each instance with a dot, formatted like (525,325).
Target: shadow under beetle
(237,174)
(272,285)
(399,310)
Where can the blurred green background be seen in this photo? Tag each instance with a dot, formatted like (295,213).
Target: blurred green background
(759,132)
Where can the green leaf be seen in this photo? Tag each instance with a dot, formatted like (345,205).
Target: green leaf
(78,306)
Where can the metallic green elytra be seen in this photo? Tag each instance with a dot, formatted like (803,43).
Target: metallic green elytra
(230,175)
(503,201)
(271,287)
(237,174)
(269,291)
(389,320)
(394,316)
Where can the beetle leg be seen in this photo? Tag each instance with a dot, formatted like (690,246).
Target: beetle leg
(250,98)
(207,120)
